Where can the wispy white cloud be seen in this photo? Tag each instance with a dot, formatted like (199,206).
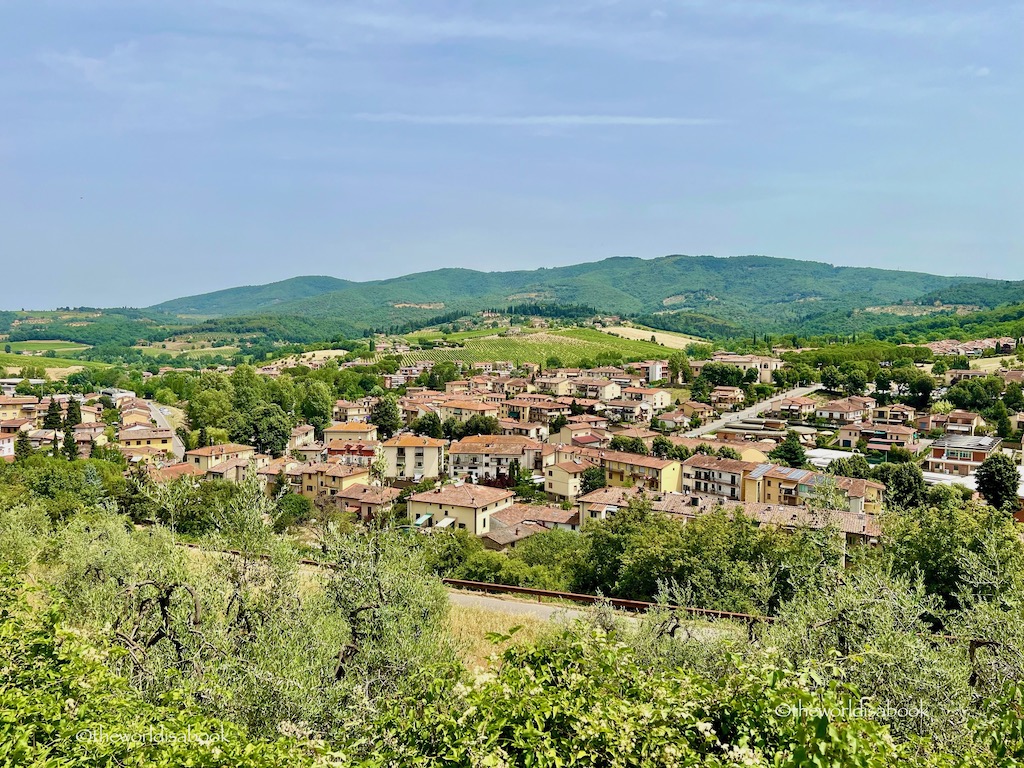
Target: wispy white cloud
(975,70)
(882,18)
(641,121)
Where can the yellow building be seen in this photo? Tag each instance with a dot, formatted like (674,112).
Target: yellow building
(146,437)
(18,407)
(563,481)
(795,487)
(213,455)
(350,430)
(629,469)
(714,475)
(463,505)
(325,479)
(464,410)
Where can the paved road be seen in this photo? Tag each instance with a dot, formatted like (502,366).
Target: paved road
(750,412)
(550,612)
(514,607)
(177,446)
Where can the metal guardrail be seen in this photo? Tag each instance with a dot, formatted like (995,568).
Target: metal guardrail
(627,605)
(482,586)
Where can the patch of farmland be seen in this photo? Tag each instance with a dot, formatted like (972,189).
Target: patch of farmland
(570,346)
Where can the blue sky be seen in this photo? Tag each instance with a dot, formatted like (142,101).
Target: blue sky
(158,148)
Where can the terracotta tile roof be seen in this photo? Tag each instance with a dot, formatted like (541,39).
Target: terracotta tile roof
(144,433)
(574,467)
(463,495)
(369,494)
(719,464)
(536,513)
(414,441)
(172,471)
(611,496)
(510,535)
(350,426)
(221,450)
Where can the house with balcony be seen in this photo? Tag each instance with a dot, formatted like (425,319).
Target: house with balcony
(796,408)
(563,481)
(462,506)
(724,398)
(960,422)
(657,399)
(463,410)
(623,468)
(595,388)
(715,476)
(368,502)
(847,410)
(213,455)
(791,486)
(629,411)
(896,414)
(414,457)
(957,454)
(349,410)
(535,430)
(491,457)
(325,478)
(878,437)
(553,385)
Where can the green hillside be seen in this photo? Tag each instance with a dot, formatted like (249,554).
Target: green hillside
(747,292)
(1003,321)
(988,294)
(251,299)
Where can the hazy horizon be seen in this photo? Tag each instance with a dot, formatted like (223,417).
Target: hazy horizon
(155,151)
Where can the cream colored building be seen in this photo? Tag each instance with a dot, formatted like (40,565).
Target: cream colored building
(464,410)
(350,430)
(563,481)
(212,455)
(463,506)
(413,457)
(491,456)
(146,437)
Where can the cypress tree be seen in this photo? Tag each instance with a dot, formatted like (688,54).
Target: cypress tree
(74,417)
(55,448)
(22,446)
(70,446)
(54,419)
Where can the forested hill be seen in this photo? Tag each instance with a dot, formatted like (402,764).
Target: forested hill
(253,299)
(745,291)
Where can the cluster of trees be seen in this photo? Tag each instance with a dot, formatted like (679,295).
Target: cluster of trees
(355,663)
(261,411)
(724,375)
(430,425)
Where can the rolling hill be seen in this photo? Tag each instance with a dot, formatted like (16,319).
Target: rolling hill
(252,299)
(740,293)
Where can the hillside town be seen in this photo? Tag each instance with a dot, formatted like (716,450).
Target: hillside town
(504,451)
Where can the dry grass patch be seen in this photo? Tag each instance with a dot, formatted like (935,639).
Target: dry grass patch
(471,627)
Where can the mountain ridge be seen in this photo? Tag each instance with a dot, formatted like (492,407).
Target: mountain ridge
(749,291)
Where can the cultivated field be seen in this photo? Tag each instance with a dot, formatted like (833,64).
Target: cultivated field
(570,346)
(671,340)
(155,351)
(46,346)
(56,367)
